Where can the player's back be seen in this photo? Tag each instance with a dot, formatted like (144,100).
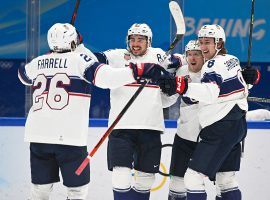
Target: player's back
(61,99)
(50,64)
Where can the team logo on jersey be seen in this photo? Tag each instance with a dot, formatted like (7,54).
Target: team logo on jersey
(231,63)
(127,56)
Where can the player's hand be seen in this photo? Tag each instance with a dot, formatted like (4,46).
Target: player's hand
(251,75)
(182,84)
(146,70)
(167,84)
(175,61)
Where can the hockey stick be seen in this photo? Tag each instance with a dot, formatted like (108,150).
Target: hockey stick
(180,24)
(249,54)
(259,99)
(74,15)
(250,33)
(179,21)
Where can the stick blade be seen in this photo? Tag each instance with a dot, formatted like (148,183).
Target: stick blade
(178,17)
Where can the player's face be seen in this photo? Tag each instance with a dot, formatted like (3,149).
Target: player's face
(138,44)
(208,47)
(195,60)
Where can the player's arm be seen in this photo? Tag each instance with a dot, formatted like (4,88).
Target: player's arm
(168,101)
(82,49)
(109,56)
(24,76)
(101,57)
(203,92)
(105,76)
(207,91)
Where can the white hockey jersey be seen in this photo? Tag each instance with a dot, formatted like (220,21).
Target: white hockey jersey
(146,112)
(82,49)
(61,95)
(221,89)
(188,126)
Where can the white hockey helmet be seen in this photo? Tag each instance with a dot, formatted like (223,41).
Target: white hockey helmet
(192,45)
(212,31)
(62,37)
(140,29)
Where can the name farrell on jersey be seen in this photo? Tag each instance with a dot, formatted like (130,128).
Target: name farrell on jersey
(52,63)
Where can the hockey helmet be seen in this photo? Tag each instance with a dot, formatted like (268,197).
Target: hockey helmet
(212,31)
(140,29)
(192,45)
(62,37)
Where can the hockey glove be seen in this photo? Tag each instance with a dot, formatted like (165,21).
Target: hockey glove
(182,84)
(146,70)
(167,84)
(79,38)
(251,75)
(176,61)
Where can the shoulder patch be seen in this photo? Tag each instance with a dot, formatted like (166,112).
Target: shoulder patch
(231,63)
(127,56)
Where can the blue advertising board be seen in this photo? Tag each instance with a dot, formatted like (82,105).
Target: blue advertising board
(104,23)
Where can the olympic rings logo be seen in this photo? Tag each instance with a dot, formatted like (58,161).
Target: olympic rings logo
(163,172)
(164,179)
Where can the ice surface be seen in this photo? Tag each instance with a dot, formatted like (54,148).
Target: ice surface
(254,176)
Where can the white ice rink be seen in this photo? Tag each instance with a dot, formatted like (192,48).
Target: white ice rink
(254,177)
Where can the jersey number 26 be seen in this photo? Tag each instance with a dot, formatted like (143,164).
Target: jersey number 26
(56,97)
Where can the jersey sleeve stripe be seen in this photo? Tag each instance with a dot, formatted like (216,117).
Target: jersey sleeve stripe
(101,57)
(91,71)
(212,77)
(97,67)
(231,93)
(23,77)
(230,86)
(80,95)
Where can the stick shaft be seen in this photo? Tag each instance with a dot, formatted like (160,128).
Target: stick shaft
(75,11)
(109,130)
(250,33)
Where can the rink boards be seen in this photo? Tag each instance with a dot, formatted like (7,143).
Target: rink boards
(254,177)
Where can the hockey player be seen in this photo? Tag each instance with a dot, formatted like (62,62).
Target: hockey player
(57,123)
(135,141)
(188,127)
(222,100)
